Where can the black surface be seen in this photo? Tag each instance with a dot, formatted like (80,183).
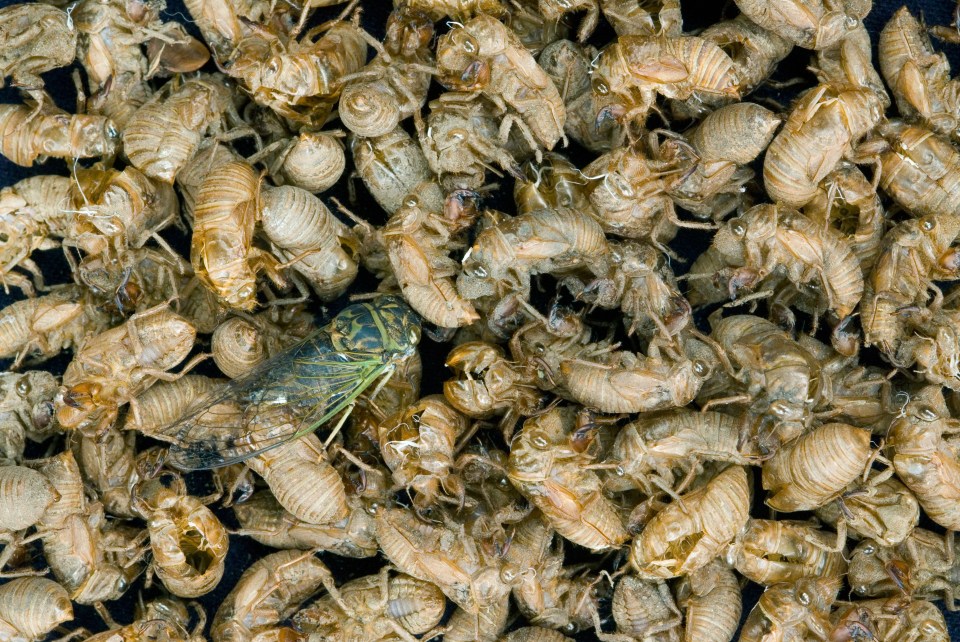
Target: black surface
(697,14)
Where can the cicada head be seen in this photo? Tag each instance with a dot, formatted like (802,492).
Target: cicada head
(385,325)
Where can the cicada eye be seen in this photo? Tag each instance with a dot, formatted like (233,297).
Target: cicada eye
(928,223)
(413,335)
(927,413)
(701,368)
(600,86)
(469,44)
(737,226)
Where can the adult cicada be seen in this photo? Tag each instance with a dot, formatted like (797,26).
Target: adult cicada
(298,390)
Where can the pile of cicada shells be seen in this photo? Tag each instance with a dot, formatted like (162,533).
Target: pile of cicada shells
(617,450)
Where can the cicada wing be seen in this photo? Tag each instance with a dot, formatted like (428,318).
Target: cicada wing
(276,402)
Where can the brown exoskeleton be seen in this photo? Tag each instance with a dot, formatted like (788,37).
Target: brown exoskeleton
(32,217)
(458,9)
(379,607)
(712,603)
(487,384)
(26,411)
(313,161)
(924,454)
(109,464)
(850,63)
(913,254)
(40,328)
(240,343)
(793,610)
(557,10)
(498,507)
(393,166)
(25,496)
(812,24)
(535,634)
(167,401)
(459,141)
(524,19)
(303,480)
(210,154)
(32,607)
(918,170)
(417,242)
(298,79)
(692,530)
(164,134)
(918,76)
(780,379)
(643,609)
(223,23)
(222,251)
(559,351)
(628,192)
(771,551)
(642,284)
(640,17)
(127,280)
(549,594)
(418,445)
(163,619)
(403,388)
(112,368)
(268,592)
(816,467)
(393,86)
(505,257)
(265,520)
(846,201)
(34,38)
(754,50)
(117,210)
(94,560)
(447,556)
(568,65)
(171,50)
(189,543)
(548,469)
(888,619)
(633,70)
(827,119)
(923,566)
(714,157)
(884,511)
(653,451)
(770,242)
(29,133)
(556,182)
(111,33)
(484,56)
(310,238)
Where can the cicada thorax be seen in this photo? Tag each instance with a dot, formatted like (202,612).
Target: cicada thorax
(390,326)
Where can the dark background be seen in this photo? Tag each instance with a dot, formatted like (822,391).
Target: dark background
(243,551)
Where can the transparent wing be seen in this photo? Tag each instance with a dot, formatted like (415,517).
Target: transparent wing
(282,399)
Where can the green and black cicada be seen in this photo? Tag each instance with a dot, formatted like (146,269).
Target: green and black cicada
(298,390)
